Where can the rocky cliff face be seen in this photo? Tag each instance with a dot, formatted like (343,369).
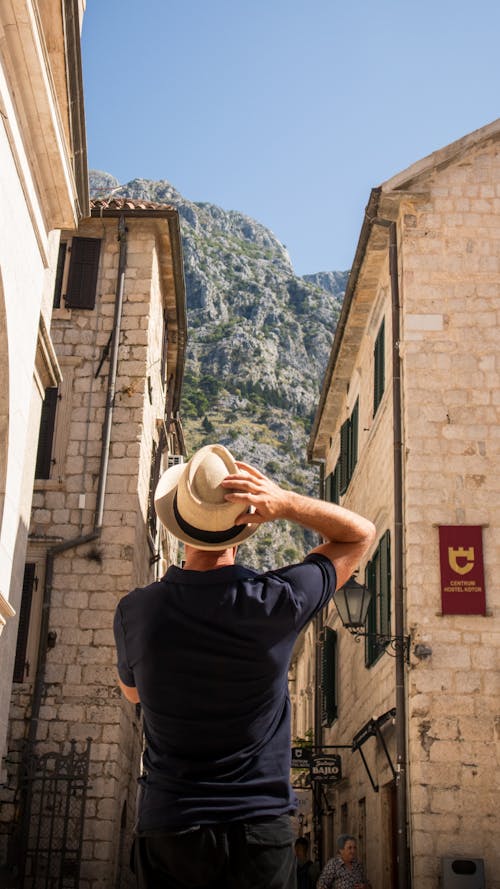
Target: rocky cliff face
(259,338)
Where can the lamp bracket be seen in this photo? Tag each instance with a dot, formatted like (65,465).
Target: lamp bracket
(384,642)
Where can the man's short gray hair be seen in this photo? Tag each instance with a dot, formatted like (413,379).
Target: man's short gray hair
(343,839)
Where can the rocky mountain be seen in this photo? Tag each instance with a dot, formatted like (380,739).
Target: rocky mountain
(259,338)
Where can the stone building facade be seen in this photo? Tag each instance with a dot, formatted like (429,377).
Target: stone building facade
(107,431)
(43,189)
(408,432)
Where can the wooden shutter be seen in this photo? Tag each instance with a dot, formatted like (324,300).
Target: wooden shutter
(24,622)
(379,367)
(344,457)
(154,477)
(46,434)
(82,278)
(164,347)
(385,584)
(328,487)
(371,648)
(353,439)
(328,677)
(61,259)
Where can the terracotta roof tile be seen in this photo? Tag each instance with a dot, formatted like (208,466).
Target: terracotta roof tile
(114,203)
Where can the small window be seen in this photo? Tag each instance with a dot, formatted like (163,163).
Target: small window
(21,667)
(328,677)
(348,448)
(378,581)
(379,367)
(82,277)
(44,461)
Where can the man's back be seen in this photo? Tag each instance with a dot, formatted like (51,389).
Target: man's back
(209,652)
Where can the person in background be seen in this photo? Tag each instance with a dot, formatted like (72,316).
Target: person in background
(307,870)
(205,651)
(344,871)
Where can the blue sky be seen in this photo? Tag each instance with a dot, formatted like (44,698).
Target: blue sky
(287,110)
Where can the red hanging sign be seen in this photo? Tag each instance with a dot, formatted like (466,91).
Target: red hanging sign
(462,572)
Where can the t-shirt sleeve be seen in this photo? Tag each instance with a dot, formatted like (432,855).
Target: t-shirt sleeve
(312,584)
(124,671)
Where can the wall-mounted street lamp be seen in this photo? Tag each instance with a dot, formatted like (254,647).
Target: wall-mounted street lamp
(352,601)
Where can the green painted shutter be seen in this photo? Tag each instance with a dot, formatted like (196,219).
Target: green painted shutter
(344,457)
(82,278)
(371,650)
(336,484)
(379,367)
(385,584)
(328,487)
(353,439)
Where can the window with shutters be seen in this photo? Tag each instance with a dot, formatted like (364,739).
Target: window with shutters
(379,367)
(82,275)
(378,581)
(348,448)
(21,666)
(328,677)
(44,461)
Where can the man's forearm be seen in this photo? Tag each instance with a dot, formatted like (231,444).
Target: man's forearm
(333,522)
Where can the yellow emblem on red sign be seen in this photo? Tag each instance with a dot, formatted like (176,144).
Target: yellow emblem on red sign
(461,553)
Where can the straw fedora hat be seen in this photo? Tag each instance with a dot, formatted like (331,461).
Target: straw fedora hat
(189,501)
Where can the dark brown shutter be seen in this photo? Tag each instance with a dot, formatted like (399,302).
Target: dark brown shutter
(24,621)
(82,279)
(328,677)
(46,434)
(61,259)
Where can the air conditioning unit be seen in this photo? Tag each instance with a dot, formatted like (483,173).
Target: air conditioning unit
(175,459)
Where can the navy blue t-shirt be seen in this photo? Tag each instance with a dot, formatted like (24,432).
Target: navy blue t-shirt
(208,652)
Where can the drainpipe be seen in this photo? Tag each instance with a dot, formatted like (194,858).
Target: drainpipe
(66,545)
(399,613)
(318,625)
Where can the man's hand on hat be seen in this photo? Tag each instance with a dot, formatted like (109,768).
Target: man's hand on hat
(250,488)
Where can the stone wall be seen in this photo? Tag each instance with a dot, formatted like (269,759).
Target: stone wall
(448,234)
(80,695)
(451,295)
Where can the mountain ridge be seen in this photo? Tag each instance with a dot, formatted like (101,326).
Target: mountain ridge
(259,338)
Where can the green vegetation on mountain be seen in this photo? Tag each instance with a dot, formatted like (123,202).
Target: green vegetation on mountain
(259,338)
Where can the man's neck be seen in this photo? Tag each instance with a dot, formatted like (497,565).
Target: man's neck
(208,560)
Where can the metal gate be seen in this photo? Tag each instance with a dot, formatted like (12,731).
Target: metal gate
(54,819)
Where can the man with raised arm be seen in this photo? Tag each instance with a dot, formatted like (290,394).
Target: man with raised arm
(206,652)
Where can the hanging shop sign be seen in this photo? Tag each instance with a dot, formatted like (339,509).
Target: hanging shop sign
(326,768)
(301,757)
(462,571)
